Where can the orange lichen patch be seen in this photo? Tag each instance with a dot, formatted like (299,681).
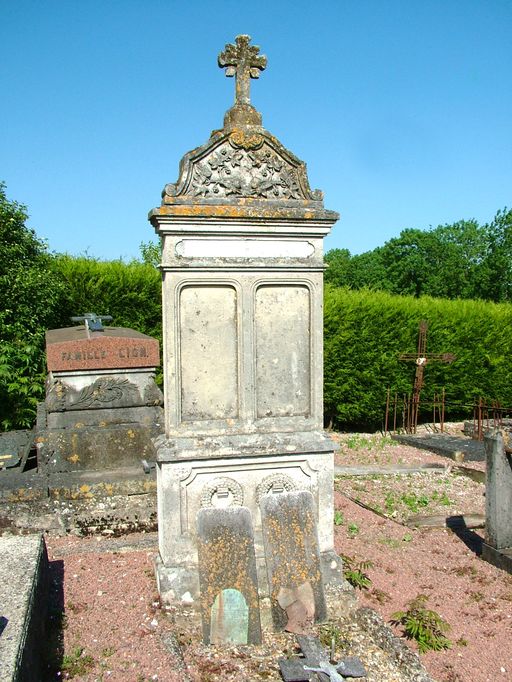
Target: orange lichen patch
(23,495)
(243,209)
(222,574)
(73,459)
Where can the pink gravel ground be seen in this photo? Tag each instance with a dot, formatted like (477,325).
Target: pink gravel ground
(113,615)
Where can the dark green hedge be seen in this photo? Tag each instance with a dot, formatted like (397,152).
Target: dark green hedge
(366,331)
(130,292)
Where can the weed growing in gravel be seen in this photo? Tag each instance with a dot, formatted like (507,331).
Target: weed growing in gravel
(441,498)
(390,542)
(108,651)
(414,502)
(464,570)
(359,442)
(339,519)
(423,625)
(355,573)
(352,530)
(356,442)
(380,596)
(330,633)
(475,597)
(76,663)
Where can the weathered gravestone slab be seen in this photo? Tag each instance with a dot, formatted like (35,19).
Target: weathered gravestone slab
(293,560)
(316,660)
(497,548)
(227,576)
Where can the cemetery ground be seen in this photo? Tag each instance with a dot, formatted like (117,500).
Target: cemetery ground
(109,623)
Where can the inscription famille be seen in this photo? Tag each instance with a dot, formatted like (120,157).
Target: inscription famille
(100,354)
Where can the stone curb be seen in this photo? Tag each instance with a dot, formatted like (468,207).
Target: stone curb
(24,584)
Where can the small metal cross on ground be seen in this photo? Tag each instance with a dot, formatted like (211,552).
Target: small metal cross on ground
(316,660)
(421,359)
(92,322)
(243,62)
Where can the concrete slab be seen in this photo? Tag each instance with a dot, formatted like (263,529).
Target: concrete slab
(458,449)
(24,580)
(502,558)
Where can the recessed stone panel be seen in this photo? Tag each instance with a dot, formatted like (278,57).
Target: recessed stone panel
(208,353)
(244,248)
(283,348)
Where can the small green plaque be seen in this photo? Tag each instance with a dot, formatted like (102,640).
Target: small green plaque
(229,621)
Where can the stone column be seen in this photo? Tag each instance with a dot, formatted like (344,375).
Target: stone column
(242,269)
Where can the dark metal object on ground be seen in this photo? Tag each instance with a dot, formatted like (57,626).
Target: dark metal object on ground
(316,660)
(147,466)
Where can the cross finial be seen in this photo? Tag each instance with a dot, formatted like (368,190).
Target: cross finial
(242,61)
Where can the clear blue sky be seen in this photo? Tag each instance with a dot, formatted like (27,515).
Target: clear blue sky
(402,109)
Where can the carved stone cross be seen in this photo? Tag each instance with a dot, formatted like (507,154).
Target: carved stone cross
(243,62)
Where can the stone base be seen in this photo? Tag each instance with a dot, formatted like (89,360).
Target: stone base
(93,448)
(501,558)
(240,477)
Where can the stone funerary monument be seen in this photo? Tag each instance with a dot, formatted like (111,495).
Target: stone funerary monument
(242,268)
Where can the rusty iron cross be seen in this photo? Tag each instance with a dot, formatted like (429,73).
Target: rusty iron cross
(242,61)
(421,359)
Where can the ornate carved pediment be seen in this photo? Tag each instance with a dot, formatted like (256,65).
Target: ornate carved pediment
(241,164)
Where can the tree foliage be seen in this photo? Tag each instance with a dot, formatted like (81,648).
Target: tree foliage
(31,297)
(462,260)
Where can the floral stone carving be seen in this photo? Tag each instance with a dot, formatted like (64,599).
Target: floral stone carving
(239,172)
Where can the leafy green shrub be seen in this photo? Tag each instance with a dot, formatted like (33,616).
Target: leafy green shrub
(423,625)
(31,296)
